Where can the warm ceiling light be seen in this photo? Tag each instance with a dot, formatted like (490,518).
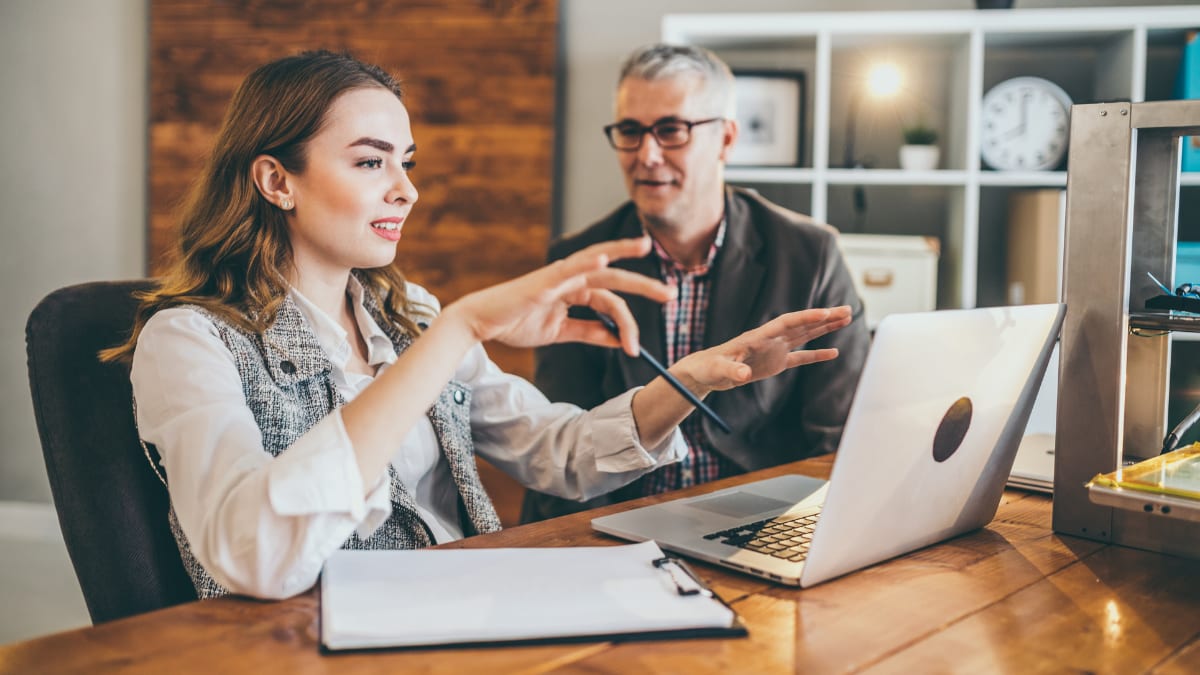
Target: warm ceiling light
(884,80)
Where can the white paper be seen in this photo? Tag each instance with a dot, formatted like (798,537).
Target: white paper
(443,596)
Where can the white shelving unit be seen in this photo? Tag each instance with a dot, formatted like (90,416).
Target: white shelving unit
(1126,53)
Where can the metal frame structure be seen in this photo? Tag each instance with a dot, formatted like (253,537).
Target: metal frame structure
(1122,218)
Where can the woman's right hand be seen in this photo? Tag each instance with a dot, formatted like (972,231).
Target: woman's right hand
(763,352)
(531,310)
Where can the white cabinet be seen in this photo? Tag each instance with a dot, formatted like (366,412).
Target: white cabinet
(949,60)
(892,274)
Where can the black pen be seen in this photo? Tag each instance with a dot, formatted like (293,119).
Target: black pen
(645,356)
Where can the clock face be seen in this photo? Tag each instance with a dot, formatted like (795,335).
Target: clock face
(1025,125)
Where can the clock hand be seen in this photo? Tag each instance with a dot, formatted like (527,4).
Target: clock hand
(1019,130)
(1016,131)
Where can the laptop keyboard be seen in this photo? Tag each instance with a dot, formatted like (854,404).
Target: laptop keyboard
(786,537)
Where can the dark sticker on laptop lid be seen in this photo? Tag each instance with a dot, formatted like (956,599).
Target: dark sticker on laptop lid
(952,430)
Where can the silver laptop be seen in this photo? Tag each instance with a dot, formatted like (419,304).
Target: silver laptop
(1033,468)
(927,448)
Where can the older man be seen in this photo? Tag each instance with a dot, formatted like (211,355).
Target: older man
(737,260)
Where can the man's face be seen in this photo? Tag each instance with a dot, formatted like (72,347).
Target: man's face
(676,188)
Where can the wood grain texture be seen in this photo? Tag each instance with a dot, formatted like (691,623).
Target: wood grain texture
(1115,610)
(1012,597)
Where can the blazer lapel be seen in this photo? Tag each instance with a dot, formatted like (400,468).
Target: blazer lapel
(739,275)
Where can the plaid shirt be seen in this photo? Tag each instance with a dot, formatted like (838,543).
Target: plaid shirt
(684,324)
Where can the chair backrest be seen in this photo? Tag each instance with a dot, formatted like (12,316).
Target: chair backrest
(111,505)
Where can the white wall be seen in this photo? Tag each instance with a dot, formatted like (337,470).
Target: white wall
(597,36)
(72,180)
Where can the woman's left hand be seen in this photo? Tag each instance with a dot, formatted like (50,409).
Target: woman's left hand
(531,310)
(762,352)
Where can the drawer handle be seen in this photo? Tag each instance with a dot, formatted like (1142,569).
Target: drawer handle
(878,278)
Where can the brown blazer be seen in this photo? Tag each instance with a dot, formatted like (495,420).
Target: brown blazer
(772,261)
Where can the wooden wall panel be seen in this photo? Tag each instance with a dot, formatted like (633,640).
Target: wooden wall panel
(479,81)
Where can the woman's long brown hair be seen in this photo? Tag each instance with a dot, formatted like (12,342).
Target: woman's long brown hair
(234,253)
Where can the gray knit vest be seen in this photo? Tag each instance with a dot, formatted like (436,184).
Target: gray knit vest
(286,378)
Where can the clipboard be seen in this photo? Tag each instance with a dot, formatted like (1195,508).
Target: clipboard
(433,598)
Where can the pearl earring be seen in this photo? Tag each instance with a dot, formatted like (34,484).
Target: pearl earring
(285,204)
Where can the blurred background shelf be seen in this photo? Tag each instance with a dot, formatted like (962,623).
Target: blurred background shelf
(945,62)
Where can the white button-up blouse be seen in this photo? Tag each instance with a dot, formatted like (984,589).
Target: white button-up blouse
(264,525)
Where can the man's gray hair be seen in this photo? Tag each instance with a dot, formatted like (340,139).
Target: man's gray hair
(666,62)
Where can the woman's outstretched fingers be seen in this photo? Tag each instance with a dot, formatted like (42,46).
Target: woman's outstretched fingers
(587,331)
(609,303)
(806,325)
(594,332)
(632,283)
(807,356)
(618,249)
(596,257)
(737,372)
(824,328)
(569,275)
(588,269)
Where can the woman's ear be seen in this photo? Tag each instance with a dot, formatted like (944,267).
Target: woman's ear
(271,180)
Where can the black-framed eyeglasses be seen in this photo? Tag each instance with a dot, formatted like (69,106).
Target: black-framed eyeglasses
(668,133)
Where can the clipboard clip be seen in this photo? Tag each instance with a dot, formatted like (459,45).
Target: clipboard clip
(685,580)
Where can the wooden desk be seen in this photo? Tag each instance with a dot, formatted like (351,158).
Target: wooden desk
(1013,597)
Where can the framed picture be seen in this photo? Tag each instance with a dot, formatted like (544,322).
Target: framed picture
(770,115)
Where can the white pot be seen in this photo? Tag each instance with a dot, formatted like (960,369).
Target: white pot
(918,157)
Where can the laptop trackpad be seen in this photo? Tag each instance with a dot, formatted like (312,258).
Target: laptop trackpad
(740,504)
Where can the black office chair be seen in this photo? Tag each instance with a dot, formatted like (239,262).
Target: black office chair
(111,505)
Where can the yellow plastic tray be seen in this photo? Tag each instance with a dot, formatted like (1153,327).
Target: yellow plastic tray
(1176,474)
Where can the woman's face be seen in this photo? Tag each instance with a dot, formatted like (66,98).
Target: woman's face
(354,194)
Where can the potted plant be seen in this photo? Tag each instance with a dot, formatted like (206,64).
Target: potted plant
(920,150)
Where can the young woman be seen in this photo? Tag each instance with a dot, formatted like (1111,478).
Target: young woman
(303,397)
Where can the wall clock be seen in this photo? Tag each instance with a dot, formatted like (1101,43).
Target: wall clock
(1025,125)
